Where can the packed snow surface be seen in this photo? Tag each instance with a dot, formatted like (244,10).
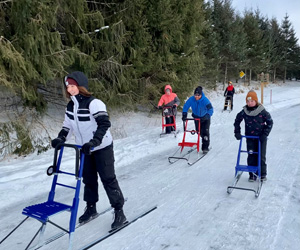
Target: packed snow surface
(194,210)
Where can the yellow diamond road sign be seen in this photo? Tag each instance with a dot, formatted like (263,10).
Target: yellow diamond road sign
(242,74)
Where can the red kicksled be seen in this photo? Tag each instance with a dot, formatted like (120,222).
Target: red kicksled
(169,113)
(185,144)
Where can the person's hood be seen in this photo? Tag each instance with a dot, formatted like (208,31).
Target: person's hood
(168,87)
(79,77)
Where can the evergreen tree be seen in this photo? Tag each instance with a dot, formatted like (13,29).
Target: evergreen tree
(255,42)
(32,48)
(226,36)
(290,52)
(211,49)
(175,28)
(274,47)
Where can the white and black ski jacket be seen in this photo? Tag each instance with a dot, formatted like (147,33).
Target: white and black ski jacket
(87,118)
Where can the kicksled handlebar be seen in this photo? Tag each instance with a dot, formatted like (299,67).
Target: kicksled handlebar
(251,136)
(191,119)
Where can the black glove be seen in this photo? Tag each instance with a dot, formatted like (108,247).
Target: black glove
(263,137)
(86,148)
(238,136)
(57,141)
(160,107)
(184,116)
(174,106)
(206,117)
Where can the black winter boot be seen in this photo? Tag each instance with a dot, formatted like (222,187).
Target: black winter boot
(119,220)
(89,213)
(205,150)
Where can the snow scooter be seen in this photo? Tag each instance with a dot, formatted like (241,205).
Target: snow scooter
(43,211)
(169,113)
(193,145)
(240,169)
(228,103)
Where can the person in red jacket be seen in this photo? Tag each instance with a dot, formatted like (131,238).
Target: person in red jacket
(229,92)
(169,99)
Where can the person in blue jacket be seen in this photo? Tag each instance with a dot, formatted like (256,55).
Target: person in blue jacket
(201,108)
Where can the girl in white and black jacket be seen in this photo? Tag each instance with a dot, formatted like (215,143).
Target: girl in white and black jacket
(86,117)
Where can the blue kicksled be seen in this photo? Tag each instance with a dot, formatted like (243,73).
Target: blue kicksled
(43,211)
(240,169)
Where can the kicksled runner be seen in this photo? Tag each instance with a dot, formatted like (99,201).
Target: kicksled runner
(188,151)
(240,169)
(43,211)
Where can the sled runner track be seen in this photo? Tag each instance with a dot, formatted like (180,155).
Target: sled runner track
(113,231)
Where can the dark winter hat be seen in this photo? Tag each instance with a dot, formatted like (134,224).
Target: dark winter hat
(79,78)
(252,96)
(198,91)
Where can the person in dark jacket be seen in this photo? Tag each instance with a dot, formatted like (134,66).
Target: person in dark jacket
(86,117)
(229,92)
(258,122)
(201,108)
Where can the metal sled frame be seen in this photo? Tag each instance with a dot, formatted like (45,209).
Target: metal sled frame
(229,103)
(183,144)
(239,169)
(43,211)
(164,125)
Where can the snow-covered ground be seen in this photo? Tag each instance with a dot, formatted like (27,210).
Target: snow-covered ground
(194,210)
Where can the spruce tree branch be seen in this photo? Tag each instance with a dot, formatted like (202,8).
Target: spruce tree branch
(119,64)
(107,4)
(78,24)
(7,1)
(58,52)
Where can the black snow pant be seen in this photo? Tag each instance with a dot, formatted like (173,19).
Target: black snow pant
(102,162)
(252,160)
(169,120)
(204,132)
(228,98)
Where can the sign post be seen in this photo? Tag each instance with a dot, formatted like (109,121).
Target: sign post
(262,84)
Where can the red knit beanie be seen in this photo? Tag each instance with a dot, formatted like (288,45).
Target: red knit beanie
(71,81)
(252,96)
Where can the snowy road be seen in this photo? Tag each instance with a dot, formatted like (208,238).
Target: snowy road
(194,210)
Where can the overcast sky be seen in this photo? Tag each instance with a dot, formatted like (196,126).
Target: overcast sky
(273,8)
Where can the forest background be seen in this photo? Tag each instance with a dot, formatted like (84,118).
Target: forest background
(129,49)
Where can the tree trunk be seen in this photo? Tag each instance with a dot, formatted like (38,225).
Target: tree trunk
(225,77)
(250,76)
(274,75)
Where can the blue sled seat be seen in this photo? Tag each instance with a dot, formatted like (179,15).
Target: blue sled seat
(44,210)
